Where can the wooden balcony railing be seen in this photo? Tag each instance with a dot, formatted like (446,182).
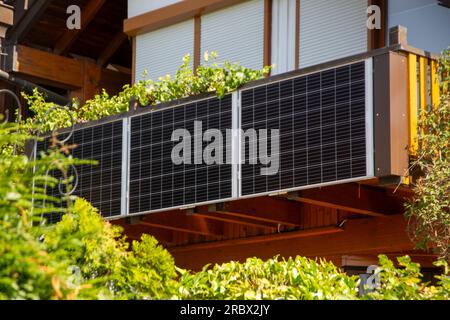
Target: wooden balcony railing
(423,93)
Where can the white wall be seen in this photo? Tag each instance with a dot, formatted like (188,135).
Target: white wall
(161,52)
(137,7)
(428,23)
(283,35)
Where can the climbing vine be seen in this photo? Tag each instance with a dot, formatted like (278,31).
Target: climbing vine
(429,210)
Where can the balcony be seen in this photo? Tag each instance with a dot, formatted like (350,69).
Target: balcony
(348,129)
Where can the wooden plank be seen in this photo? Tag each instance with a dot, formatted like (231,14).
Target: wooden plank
(111,49)
(423,87)
(413,103)
(6,14)
(261,239)
(435,94)
(352,198)
(380,235)
(180,222)
(40,64)
(326,204)
(265,209)
(135,231)
(87,15)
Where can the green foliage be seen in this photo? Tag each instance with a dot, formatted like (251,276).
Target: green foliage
(211,77)
(38,261)
(405,282)
(26,269)
(429,210)
(100,252)
(298,278)
(307,279)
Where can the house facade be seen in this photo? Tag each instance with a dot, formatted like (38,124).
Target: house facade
(346,87)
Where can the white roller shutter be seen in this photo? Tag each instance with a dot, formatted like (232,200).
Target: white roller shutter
(236,33)
(161,52)
(331,30)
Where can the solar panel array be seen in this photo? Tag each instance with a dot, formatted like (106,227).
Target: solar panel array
(321,123)
(100,184)
(321,118)
(155,181)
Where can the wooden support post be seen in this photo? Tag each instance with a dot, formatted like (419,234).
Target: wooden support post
(391,132)
(180,222)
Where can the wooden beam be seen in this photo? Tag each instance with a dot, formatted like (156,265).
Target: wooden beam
(413,104)
(87,15)
(48,67)
(381,235)
(180,222)
(6,14)
(28,17)
(113,46)
(82,77)
(244,221)
(265,210)
(135,231)
(260,239)
(354,198)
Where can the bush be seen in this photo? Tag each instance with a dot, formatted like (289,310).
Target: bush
(106,261)
(299,278)
(81,257)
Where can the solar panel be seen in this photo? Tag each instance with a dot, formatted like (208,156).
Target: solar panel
(100,184)
(323,120)
(155,181)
